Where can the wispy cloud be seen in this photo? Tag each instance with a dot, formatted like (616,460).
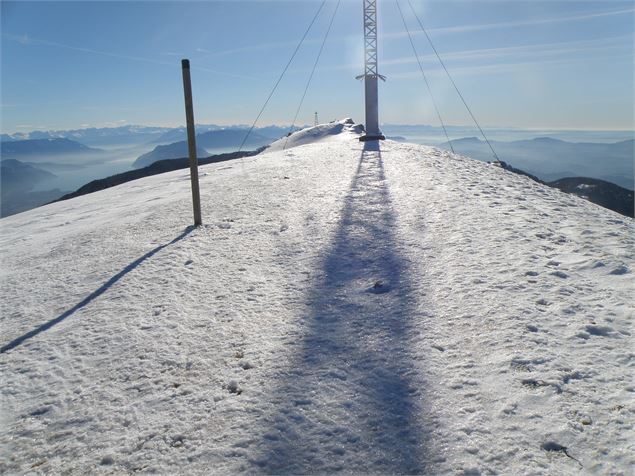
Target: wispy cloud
(208,53)
(496,69)
(541,50)
(27,40)
(497,57)
(253,48)
(514,24)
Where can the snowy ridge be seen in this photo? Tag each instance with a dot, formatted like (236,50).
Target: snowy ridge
(344,309)
(343,130)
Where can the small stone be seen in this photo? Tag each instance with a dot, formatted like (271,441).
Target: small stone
(232,387)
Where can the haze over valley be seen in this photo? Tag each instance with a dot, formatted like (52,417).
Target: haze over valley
(60,162)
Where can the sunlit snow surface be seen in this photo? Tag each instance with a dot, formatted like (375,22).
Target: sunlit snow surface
(399,310)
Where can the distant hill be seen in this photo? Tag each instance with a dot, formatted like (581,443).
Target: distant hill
(275,132)
(96,136)
(552,159)
(163,152)
(18,176)
(600,192)
(56,167)
(227,138)
(42,148)
(131,135)
(158,167)
(178,134)
(206,142)
(17,181)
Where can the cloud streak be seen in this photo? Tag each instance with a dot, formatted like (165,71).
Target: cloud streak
(490,69)
(514,24)
(541,50)
(28,41)
(401,34)
(542,53)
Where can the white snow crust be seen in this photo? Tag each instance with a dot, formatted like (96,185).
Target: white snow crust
(345,308)
(343,130)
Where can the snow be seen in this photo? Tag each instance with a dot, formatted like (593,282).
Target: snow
(344,130)
(345,308)
(585,186)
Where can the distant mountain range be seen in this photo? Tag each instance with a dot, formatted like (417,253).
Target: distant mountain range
(600,192)
(162,152)
(17,181)
(226,138)
(16,176)
(158,167)
(553,159)
(135,135)
(179,134)
(123,135)
(562,164)
(206,142)
(230,134)
(43,148)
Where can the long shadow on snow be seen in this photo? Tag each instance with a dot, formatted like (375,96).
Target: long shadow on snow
(355,353)
(95,294)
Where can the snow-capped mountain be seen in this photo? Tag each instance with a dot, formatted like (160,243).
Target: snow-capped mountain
(161,152)
(346,307)
(21,149)
(101,136)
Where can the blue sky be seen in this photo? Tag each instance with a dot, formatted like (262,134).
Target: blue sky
(530,64)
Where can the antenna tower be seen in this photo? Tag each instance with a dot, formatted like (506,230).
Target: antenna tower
(371,74)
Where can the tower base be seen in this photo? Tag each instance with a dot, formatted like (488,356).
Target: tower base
(367,137)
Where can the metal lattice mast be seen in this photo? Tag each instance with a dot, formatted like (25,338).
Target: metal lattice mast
(371,74)
(370,37)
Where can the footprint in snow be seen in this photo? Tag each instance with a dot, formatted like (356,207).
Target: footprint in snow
(158,309)
(595,330)
(553,447)
(620,270)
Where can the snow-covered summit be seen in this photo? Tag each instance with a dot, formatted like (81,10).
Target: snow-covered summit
(347,307)
(342,130)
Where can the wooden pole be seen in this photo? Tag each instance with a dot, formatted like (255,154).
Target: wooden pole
(191,141)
